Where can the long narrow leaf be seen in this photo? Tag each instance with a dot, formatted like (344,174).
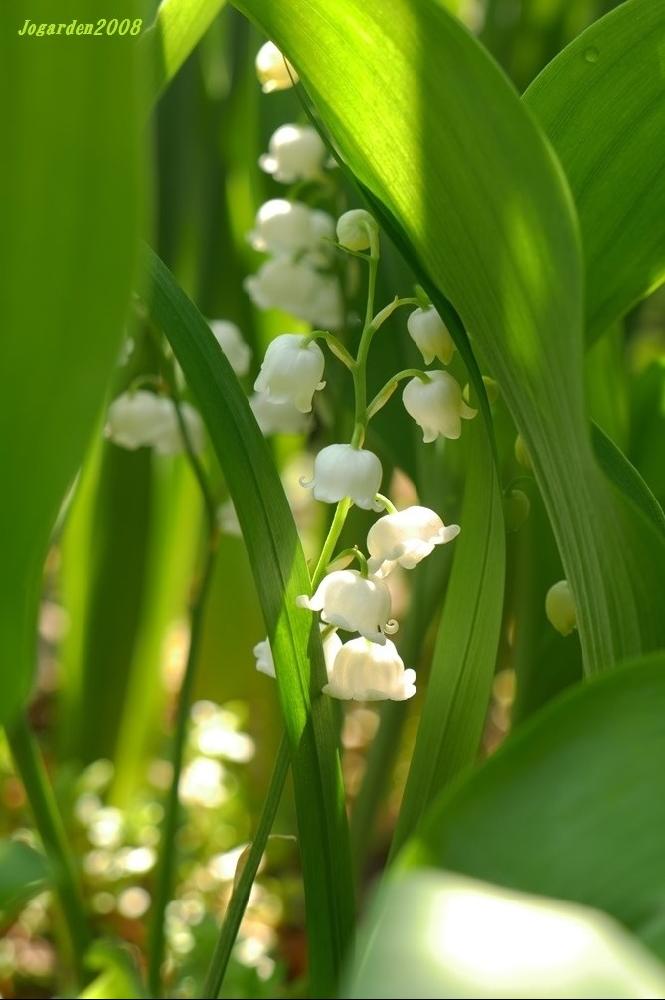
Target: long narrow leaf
(281,575)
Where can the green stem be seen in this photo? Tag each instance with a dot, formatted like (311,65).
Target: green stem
(166,868)
(30,767)
(239,899)
(335,530)
(335,344)
(384,394)
(355,553)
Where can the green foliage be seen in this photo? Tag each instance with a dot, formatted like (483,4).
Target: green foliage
(177,29)
(66,268)
(566,808)
(281,575)
(23,873)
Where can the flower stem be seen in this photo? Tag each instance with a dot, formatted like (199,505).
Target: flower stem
(243,886)
(335,530)
(165,871)
(384,394)
(48,821)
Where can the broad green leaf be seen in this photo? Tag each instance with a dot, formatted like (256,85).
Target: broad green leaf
(602,103)
(280,574)
(177,29)
(67,260)
(460,682)
(118,976)
(23,873)
(437,135)
(435,934)
(626,478)
(569,806)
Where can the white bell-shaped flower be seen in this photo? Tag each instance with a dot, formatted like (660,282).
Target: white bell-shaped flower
(430,335)
(354,603)
(291,371)
(142,419)
(364,671)
(277,418)
(289,227)
(295,287)
(406,538)
(437,405)
(560,607)
(230,339)
(354,229)
(272,69)
(265,663)
(340,470)
(295,153)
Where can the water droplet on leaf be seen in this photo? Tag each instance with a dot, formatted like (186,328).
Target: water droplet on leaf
(591,54)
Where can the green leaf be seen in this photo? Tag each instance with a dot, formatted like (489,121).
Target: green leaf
(66,268)
(177,29)
(569,807)
(24,872)
(460,682)
(437,135)
(118,976)
(602,102)
(280,574)
(625,477)
(434,934)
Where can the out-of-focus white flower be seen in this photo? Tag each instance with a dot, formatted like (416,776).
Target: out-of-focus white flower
(354,603)
(437,406)
(266,665)
(340,470)
(230,339)
(272,69)
(289,227)
(202,783)
(291,371)
(560,607)
(364,671)
(296,288)
(227,519)
(354,229)
(106,828)
(277,418)
(430,335)
(295,153)
(141,419)
(406,538)
(133,902)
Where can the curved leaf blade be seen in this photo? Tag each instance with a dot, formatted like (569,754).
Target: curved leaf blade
(280,573)
(569,807)
(602,103)
(24,872)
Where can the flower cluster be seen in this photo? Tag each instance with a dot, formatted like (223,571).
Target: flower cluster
(142,419)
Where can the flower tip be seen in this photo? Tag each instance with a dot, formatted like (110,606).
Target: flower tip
(302,601)
(451,531)
(391,627)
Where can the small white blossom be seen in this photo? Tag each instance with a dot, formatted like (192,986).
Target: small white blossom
(291,371)
(560,607)
(430,335)
(340,470)
(354,229)
(437,406)
(230,339)
(289,227)
(295,287)
(364,671)
(354,603)
(266,665)
(277,418)
(272,69)
(406,538)
(142,419)
(295,152)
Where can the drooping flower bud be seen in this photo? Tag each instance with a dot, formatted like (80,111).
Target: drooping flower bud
(343,471)
(295,153)
(277,418)
(516,509)
(354,603)
(406,538)
(289,227)
(272,69)
(437,405)
(430,335)
(294,287)
(522,455)
(265,663)
(230,339)
(354,229)
(291,371)
(364,671)
(560,607)
(142,419)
